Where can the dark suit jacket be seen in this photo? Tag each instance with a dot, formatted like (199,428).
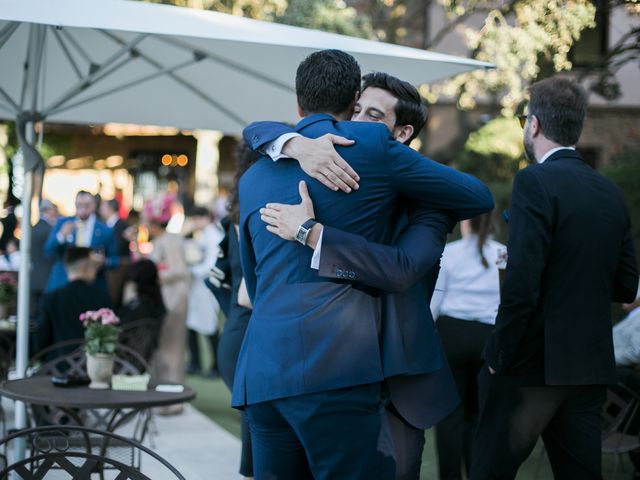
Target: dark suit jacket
(308,333)
(40,263)
(59,317)
(122,244)
(421,385)
(102,239)
(570,255)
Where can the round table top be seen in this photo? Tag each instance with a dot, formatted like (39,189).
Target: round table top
(39,390)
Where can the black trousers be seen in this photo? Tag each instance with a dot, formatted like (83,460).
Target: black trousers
(513,414)
(194,350)
(463,341)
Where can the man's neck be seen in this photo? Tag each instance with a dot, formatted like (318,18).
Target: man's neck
(546,147)
(74,277)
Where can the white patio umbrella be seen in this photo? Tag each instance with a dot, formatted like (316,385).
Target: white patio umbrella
(98,61)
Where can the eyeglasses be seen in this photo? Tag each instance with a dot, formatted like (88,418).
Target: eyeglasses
(522,119)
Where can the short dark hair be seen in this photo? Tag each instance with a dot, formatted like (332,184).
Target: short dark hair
(84,192)
(560,105)
(327,82)
(409,109)
(113,204)
(73,255)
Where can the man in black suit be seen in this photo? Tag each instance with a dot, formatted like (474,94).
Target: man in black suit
(40,263)
(59,318)
(570,255)
(115,277)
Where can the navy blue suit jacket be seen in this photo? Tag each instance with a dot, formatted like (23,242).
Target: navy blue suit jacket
(102,239)
(309,333)
(570,255)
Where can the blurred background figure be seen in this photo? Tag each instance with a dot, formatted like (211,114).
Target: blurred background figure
(59,318)
(40,263)
(10,258)
(109,212)
(203,311)
(465,304)
(168,255)
(142,302)
(228,273)
(82,230)
(9,223)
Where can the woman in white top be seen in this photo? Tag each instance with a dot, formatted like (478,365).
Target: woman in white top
(465,304)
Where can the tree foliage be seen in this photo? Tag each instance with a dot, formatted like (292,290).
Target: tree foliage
(519,38)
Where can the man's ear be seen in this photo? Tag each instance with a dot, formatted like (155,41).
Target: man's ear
(403,133)
(534,126)
(300,111)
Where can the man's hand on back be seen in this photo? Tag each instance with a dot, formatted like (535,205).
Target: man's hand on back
(284,220)
(319,159)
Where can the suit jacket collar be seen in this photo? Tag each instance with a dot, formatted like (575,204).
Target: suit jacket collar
(564,153)
(315,118)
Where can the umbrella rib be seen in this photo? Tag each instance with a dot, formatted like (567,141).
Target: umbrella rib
(32,64)
(7,31)
(9,100)
(67,52)
(228,63)
(77,46)
(97,73)
(198,56)
(130,84)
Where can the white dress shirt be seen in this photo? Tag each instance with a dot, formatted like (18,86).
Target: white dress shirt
(626,339)
(466,289)
(551,152)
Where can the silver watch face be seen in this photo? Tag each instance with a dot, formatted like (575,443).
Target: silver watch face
(301,235)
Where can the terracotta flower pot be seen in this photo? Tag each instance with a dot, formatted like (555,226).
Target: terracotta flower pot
(100,370)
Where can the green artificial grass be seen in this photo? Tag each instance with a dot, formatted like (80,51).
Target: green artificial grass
(213,400)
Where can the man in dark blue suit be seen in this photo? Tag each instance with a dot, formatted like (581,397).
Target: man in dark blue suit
(417,399)
(81,230)
(310,368)
(550,356)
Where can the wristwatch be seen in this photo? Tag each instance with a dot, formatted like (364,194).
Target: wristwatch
(303,231)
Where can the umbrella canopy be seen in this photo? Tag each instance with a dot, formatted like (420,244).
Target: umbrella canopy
(135,62)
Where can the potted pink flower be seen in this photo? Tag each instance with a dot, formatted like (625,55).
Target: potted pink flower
(101,337)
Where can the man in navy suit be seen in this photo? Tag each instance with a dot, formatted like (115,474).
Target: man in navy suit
(550,356)
(81,230)
(310,367)
(418,399)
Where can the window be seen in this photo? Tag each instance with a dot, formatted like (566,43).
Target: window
(592,47)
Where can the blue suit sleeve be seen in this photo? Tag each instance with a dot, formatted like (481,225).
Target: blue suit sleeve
(52,248)
(530,228)
(392,268)
(258,134)
(434,185)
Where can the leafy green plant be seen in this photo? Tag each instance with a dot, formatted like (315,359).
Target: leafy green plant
(101,333)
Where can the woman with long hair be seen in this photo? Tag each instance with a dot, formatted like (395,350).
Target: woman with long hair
(465,304)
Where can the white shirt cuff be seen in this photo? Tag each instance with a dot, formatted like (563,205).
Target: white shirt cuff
(274,149)
(315,260)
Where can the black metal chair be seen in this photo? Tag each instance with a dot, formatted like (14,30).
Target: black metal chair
(74,450)
(619,414)
(142,336)
(126,361)
(7,349)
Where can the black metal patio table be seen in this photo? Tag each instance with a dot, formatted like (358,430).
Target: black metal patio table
(39,390)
